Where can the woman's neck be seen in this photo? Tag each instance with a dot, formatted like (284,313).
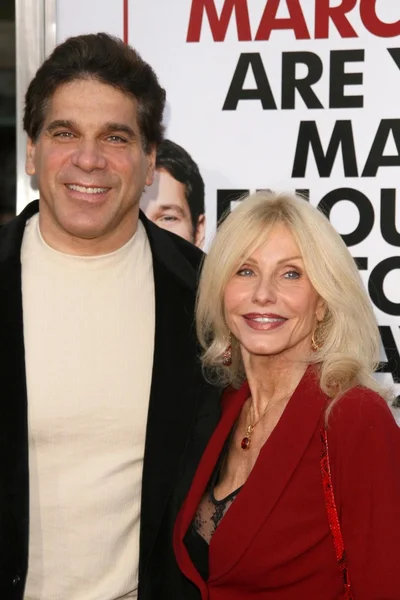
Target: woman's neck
(271,380)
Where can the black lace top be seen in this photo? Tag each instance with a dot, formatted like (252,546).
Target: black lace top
(209,514)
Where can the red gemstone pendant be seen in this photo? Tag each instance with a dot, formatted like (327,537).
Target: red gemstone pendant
(245,444)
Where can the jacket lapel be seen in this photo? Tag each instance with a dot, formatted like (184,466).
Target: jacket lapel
(233,402)
(14,478)
(276,463)
(177,383)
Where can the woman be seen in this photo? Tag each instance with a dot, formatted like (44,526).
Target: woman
(286,324)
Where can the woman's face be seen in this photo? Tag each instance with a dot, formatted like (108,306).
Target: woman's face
(270,305)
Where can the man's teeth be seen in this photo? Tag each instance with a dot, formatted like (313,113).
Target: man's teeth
(267,320)
(86,190)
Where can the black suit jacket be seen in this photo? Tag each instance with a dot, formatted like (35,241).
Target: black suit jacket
(183,412)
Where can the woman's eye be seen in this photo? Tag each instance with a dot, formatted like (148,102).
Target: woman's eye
(292,275)
(245,272)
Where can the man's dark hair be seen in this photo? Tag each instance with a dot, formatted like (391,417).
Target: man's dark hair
(181,166)
(108,60)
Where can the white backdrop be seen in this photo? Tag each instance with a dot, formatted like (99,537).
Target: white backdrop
(201,49)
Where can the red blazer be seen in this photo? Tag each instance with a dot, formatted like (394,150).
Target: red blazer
(274,541)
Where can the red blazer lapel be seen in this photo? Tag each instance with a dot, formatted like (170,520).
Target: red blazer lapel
(232,402)
(276,463)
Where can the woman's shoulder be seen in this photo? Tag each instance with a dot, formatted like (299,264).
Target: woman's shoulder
(362,402)
(362,409)
(364,446)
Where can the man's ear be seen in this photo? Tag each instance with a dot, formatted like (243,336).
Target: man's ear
(200,231)
(151,157)
(30,157)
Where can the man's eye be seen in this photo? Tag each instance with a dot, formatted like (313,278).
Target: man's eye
(168,218)
(64,134)
(117,139)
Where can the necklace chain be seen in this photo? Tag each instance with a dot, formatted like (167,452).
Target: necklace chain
(246,441)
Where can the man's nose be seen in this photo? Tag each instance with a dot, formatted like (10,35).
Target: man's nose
(88,156)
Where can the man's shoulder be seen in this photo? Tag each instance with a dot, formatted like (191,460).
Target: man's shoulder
(11,233)
(18,222)
(193,254)
(178,256)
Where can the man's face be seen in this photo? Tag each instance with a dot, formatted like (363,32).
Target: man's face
(164,203)
(91,168)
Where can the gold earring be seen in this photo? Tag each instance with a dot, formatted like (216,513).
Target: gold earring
(314,343)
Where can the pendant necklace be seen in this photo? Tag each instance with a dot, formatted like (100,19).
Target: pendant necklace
(246,441)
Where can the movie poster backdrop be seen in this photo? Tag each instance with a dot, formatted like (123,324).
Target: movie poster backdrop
(283,94)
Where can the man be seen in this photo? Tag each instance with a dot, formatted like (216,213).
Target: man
(104,409)
(175,200)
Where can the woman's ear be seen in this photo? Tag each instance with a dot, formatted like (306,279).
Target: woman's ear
(320,310)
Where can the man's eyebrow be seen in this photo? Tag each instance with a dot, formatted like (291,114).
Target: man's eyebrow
(120,127)
(61,123)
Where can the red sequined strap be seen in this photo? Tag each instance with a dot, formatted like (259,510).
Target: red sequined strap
(333,518)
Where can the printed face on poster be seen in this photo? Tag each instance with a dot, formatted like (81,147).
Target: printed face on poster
(299,95)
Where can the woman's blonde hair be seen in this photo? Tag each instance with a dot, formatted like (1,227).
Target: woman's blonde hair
(348,337)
